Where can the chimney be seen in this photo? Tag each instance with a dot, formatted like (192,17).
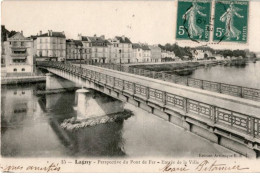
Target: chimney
(22,32)
(79,36)
(95,36)
(123,37)
(40,32)
(103,37)
(51,32)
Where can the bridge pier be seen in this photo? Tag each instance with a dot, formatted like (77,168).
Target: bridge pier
(92,105)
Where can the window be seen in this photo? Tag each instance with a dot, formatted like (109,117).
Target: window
(22,43)
(15,92)
(23,69)
(23,92)
(15,69)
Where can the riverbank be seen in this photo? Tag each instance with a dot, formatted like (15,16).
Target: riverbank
(177,67)
(22,79)
(55,91)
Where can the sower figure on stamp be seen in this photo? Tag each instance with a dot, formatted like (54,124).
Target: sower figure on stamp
(228,17)
(190,16)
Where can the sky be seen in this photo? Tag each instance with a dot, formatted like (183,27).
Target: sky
(151,22)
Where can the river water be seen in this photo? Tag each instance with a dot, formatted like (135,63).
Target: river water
(247,76)
(30,127)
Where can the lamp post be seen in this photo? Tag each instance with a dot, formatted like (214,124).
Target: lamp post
(80,55)
(120,58)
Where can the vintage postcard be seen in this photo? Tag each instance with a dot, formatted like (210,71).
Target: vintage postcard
(130,86)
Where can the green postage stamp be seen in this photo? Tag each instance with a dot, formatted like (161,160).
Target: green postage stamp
(231,21)
(228,21)
(193,20)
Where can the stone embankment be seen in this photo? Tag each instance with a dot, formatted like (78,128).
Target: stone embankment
(22,79)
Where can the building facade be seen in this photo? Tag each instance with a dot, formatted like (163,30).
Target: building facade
(164,54)
(146,53)
(121,50)
(199,54)
(86,47)
(51,45)
(137,52)
(156,53)
(99,49)
(19,55)
(170,54)
(75,50)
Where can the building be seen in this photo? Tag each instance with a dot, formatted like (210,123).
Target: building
(99,49)
(156,53)
(218,56)
(137,52)
(19,55)
(86,47)
(75,50)
(121,50)
(257,54)
(51,45)
(146,53)
(200,54)
(164,54)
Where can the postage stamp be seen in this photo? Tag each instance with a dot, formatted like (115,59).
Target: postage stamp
(193,20)
(231,21)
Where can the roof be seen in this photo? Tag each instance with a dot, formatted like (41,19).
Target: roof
(85,38)
(136,45)
(123,39)
(76,42)
(54,34)
(100,42)
(6,33)
(33,37)
(145,47)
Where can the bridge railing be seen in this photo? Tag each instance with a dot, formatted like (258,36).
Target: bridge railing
(228,89)
(223,88)
(234,122)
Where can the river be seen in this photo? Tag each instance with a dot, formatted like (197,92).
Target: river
(247,76)
(30,127)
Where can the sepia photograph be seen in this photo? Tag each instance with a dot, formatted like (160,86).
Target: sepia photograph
(130,86)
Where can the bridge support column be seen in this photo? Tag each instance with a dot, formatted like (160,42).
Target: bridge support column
(91,104)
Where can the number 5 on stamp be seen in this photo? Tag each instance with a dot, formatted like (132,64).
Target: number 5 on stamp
(193,20)
(231,21)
